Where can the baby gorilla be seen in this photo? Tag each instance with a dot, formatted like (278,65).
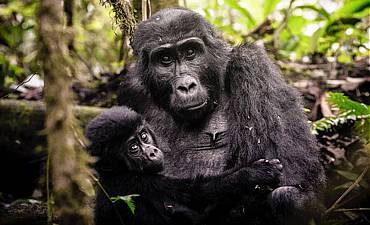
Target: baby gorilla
(129,162)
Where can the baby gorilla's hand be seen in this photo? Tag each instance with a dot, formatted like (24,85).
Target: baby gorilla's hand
(266,172)
(181,214)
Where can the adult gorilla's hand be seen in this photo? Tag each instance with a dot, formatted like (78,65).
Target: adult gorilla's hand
(294,204)
(265,172)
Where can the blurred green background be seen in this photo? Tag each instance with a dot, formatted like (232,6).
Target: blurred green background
(297,30)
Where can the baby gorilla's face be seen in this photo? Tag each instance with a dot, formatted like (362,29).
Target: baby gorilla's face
(141,153)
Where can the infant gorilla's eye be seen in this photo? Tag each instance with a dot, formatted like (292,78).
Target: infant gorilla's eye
(190,53)
(166,60)
(144,136)
(134,148)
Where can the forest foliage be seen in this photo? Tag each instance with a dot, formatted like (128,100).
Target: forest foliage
(297,29)
(308,34)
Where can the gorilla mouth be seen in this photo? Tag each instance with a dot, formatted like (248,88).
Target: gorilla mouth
(197,106)
(153,167)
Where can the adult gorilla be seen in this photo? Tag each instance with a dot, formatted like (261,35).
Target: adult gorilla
(220,107)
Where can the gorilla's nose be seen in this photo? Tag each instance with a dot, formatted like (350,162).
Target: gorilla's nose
(186,85)
(154,154)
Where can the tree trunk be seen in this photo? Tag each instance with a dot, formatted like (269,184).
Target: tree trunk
(68,164)
(22,122)
(156,5)
(69,11)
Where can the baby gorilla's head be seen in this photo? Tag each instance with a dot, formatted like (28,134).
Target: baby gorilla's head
(123,140)
(140,151)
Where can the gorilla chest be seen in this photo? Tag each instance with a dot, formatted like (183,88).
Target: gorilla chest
(203,151)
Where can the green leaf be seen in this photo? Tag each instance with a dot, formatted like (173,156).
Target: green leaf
(320,11)
(360,112)
(314,40)
(343,186)
(350,110)
(352,177)
(351,7)
(343,103)
(344,58)
(330,122)
(127,199)
(269,6)
(234,5)
(348,175)
(364,184)
(296,24)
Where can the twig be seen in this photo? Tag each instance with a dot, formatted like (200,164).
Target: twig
(149,4)
(350,188)
(24,82)
(304,66)
(260,29)
(144,7)
(108,197)
(282,25)
(349,210)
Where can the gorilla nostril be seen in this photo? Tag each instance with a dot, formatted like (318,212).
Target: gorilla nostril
(192,86)
(185,89)
(182,89)
(152,155)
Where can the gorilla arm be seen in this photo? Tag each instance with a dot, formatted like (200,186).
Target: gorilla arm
(236,182)
(268,122)
(214,194)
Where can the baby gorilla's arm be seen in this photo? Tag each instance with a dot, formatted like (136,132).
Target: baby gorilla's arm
(208,195)
(237,181)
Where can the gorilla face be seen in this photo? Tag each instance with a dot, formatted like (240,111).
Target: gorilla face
(181,80)
(141,153)
(180,64)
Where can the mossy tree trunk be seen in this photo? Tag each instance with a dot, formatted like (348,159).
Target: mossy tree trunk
(68,163)
(156,5)
(69,11)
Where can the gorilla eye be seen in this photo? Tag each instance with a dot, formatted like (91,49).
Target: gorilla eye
(134,148)
(144,136)
(190,53)
(166,60)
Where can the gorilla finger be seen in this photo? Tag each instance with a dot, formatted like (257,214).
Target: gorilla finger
(261,161)
(169,208)
(274,161)
(277,164)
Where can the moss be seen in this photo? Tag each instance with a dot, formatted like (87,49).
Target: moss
(22,124)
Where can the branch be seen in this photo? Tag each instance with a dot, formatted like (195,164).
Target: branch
(350,188)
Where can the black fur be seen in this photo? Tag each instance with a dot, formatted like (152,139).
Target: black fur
(162,200)
(263,117)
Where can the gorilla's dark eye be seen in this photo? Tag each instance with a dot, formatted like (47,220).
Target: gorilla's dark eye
(166,60)
(190,53)
(134,148)
(144,136)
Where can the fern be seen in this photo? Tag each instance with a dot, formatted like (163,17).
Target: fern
(349,110)
(344,104)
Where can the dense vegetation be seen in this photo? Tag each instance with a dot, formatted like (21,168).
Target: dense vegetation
(322,46)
